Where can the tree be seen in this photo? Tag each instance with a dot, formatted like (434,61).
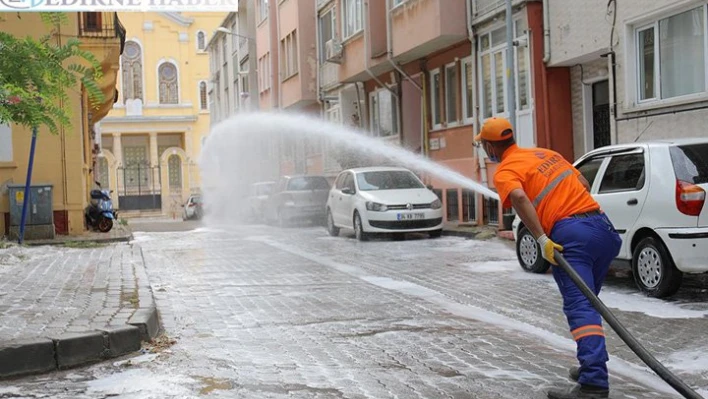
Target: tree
(36,76)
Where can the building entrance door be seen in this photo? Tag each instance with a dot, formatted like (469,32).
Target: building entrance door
(601,114)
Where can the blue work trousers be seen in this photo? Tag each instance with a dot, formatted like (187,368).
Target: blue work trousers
(589,245)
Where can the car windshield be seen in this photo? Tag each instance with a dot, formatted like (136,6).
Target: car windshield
(264,189)
(196,200)
(307,183)
(388,180)
(691,163)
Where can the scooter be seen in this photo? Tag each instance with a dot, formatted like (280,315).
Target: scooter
(100,214)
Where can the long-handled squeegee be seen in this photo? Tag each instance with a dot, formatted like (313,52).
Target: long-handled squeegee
(632,342)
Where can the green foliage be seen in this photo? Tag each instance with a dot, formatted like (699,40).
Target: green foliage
(37,74)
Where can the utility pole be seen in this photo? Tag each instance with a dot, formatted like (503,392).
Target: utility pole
(510,75)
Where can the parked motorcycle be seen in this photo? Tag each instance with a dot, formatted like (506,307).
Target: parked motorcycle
(100,214)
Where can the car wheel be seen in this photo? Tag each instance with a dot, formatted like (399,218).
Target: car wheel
(528,253)
(331,228)
(654,271)
(435,233)
(359,228)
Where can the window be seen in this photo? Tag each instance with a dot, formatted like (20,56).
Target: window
(132,71)
(203,103)
(435,88)
(353,17)
(624,173)
(5,143)
(392,180)
(469,206)
(349,183)
(262,9)
(225,51)
(227,101)
(264,73)
(383,113)
(590,168)
(234,38)
(102,172)
(339,183)
(308,183)
(288,51)
(451,94)
(671,56)
(492,211)
(327,26)
(201,41)
(467,90)
(168,84)
(690,162)
(492,67)
(396,3)
(438,192)
(174,165)
(453,211)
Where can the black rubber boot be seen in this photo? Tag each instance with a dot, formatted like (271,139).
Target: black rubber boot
(574,373)
(579,392)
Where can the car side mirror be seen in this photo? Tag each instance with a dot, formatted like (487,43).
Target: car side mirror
(347,191)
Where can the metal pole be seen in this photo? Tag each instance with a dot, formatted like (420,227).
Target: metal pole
(27,194)
(510,75)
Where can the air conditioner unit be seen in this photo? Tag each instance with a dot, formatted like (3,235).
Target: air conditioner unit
(333,51)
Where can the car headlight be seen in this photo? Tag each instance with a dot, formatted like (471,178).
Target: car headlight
(376,207)
(289,203)
(437,204)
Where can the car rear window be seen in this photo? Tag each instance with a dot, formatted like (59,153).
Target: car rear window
(308,183)
(690,162)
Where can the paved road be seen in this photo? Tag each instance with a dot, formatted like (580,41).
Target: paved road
(259,312)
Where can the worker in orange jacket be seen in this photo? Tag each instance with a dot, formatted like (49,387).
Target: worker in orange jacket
(553,200)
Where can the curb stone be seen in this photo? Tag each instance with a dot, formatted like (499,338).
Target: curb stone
(25,357)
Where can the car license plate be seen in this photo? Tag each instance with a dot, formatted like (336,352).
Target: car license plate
(411,216)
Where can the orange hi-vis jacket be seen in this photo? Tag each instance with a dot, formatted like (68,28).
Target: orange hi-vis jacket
(550,182)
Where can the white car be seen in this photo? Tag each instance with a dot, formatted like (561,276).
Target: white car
(382,200)
(654,193)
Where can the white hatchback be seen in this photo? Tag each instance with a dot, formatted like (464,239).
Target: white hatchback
(382,200)
(654,193)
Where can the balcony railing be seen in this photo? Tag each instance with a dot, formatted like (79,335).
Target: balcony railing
(101,25)
(486,6)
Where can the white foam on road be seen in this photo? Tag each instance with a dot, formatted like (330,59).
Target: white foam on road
(690,361)
(649,306)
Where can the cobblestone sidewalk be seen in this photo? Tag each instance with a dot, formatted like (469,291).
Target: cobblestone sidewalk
(89,293)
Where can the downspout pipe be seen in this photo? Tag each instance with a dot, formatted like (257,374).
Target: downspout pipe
(389,48)
(319,57)
(546,32)
(367,52)
(478,153)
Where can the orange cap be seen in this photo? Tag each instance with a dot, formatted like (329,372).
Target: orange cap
(495,129)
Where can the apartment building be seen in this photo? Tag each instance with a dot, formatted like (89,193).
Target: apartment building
(233,77)
(234,89)
(65,163)
(638,68)
(286,57)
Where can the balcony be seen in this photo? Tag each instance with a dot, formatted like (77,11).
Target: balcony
(426,27)
(485,8)
(101,25)
(102,34)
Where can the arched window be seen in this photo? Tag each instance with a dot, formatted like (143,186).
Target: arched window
(131,64)
(169,88)
(102,172)
(203,103)
(201,41)
(174,165)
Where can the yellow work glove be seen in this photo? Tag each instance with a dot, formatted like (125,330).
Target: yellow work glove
(547,247)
